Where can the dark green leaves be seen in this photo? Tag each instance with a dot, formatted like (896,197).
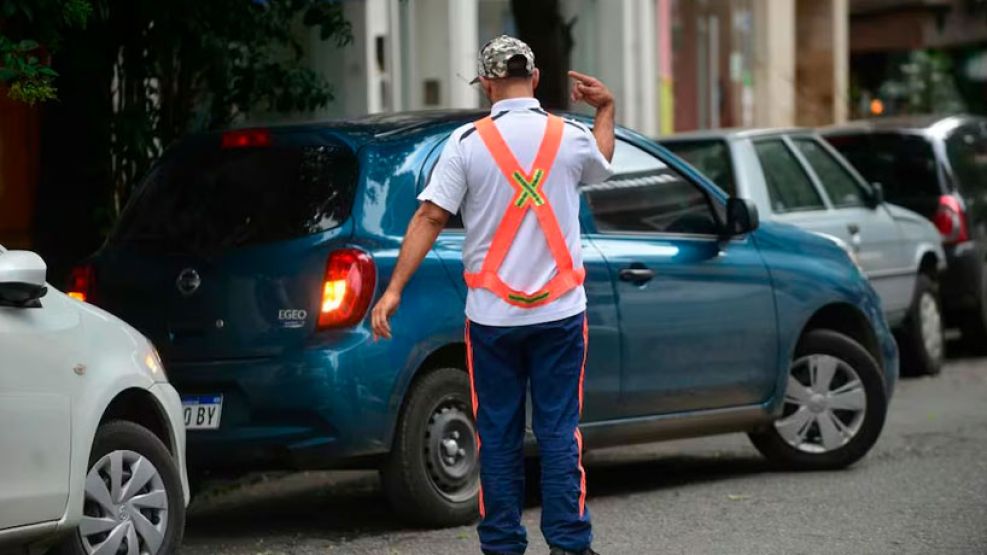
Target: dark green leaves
(27,24)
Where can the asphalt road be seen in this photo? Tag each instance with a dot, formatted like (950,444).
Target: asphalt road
(922,490)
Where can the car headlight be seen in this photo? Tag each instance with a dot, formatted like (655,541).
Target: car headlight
(153,364)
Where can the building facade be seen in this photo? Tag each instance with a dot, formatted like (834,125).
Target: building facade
(673,65)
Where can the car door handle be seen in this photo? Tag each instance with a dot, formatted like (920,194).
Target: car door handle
(637,274)
(854,229)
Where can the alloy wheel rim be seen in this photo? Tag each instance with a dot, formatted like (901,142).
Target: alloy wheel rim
(930,323)
(450,452)
(825,404)
(126,506)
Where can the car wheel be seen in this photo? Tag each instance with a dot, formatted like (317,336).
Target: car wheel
(431,476)
(922,340)
(133,496)
(834,407)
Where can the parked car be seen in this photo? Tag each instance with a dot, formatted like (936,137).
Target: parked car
(794,176)
(936,166)
(92,449)
(251,256)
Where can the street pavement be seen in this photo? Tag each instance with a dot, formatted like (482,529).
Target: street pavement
(922,490)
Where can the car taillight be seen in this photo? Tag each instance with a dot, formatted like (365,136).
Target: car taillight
(246,138)
(950,219)
(347,288)
(82,279)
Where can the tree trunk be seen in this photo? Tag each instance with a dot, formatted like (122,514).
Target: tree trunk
(540,24)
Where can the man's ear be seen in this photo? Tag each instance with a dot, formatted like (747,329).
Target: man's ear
(487,87)
(535,77)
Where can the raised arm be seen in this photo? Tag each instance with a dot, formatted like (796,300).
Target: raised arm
(424,228)
(592,91)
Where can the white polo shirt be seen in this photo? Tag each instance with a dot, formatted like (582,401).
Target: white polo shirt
(467,179)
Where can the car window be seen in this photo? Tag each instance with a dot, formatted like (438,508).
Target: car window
(840,185)
(967,152)
(904,165)
(204,197)
(789,187)
(455,222)
(711,158)
(645,195)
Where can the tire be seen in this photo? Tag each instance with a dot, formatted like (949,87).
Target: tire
(973,324)
(135,446)
(921,337)
(823,349)
(429,481)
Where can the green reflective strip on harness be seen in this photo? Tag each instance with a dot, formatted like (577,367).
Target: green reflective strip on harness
(530,189)
(529,299)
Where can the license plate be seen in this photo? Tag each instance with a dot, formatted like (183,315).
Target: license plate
(202,412)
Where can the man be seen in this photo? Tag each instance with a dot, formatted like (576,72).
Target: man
(514,176)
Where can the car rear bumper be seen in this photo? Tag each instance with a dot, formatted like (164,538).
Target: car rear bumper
(960,290)
(301,410)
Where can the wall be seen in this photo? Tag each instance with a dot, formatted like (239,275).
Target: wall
(821,66)
(774,63)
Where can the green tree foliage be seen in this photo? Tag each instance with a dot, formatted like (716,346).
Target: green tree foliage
(25,25)
(922,81)
(145,72)
(190,65)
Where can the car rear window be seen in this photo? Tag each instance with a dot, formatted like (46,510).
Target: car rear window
(967,152)
(203,198)
(904,165)
(711,158)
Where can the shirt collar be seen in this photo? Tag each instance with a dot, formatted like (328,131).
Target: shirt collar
(508,104)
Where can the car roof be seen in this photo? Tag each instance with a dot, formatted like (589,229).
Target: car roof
(932,124)
(733,133)
(395,125)
(366,128)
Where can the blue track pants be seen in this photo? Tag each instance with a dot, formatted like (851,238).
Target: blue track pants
(502,361)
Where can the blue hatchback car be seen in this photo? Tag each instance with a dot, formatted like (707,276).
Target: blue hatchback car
(250,257)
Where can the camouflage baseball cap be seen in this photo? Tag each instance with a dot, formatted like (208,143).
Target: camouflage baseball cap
(493,58)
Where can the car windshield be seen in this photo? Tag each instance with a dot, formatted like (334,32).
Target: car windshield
(711,158)
(904,165)
(204,198)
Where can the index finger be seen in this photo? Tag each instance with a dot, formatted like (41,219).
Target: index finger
(581,77)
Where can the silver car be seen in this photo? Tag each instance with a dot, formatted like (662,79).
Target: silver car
(794,176)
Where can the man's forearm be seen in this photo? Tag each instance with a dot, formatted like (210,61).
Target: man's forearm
(421,235)
(603,130)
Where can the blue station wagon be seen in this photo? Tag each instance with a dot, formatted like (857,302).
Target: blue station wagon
(250,257)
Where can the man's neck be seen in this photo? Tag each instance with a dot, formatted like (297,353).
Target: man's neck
(512,92)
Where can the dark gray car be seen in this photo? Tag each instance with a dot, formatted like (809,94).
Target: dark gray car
(936,166)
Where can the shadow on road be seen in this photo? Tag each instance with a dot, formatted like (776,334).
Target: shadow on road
(338,506)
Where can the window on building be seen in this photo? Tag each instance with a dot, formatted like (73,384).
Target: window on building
(842,188)
(645,195)
(789,187)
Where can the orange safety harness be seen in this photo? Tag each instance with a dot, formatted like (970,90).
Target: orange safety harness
(529,197)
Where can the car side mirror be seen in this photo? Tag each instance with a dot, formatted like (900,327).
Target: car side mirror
(878,193)
(22,279)
(741,216)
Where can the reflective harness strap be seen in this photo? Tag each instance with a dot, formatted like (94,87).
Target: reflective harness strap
(529,187)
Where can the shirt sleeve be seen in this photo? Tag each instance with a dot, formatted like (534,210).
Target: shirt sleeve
(447,186)
(596,168)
